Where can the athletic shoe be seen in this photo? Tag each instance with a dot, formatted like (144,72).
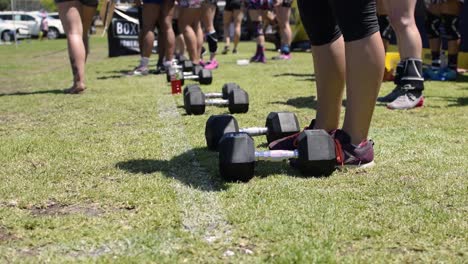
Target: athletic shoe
(213,64)
(258,58)
(160,69)
(392,96)
(351,156)
(234,51)
(407,100)
(225,50)
(289,142)
(139,71)
(282,57)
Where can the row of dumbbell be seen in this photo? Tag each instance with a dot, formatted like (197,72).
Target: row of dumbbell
(190,72)
(315,154)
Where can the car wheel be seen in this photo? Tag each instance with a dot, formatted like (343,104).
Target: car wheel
(6,36)
(53,33)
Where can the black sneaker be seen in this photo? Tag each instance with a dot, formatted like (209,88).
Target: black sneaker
(394,94)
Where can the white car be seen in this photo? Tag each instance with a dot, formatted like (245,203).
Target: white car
(32,20)
(8,31)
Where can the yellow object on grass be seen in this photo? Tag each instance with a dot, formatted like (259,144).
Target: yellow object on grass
(391,61)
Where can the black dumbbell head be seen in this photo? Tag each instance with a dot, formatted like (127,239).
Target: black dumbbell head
(187,66)
(238,101)
(281,124)
(227,88)
(216,126)
(191,87)
(205,77)
(317,156)
(194,102)
(236,157)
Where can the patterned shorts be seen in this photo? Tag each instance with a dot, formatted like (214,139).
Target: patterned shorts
(190,3)
(259,4)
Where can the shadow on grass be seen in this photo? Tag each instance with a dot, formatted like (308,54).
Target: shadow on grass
(453,101)
(305,76)
(303,102)
(462,78)
(198,169)
(55,91)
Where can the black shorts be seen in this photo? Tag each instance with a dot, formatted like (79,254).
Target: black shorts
(326,20)
(232,5)
(91,3)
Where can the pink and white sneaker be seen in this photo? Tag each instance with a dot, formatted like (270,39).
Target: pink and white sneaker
(213,64)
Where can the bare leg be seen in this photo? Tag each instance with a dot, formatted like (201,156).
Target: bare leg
(362,84)
(452,8)
(238,16)
(401,14)
(329,65)
(283,14)
(227,18)
(189,20)
(166,27)
(150,17)
(70,14)
(208,13)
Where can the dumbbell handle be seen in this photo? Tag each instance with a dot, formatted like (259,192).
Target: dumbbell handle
(216,102)
(254,131)
(276,155)
(190,76)
(213,95)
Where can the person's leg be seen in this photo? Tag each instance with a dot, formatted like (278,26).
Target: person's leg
(69,13)
(208,14)
(167,13)
(432,24)
(87,14)
(187,18)
(411,81)
(150,15)
(282,15)
(450,12)
(227,18)
(161,47)
(386,31)
(256,18)
(365,62)
(238,15)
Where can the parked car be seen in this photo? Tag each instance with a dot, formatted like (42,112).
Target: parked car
(32,20)
(8,31)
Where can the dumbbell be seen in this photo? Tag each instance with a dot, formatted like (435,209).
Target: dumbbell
(203,76)
(227,88)
(195,101)
(315,155)
(186,66)
(277,125)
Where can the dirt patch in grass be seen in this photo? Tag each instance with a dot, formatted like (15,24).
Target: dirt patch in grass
(6,235)
(53,208)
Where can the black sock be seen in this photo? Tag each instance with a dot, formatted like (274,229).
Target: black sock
(453,61)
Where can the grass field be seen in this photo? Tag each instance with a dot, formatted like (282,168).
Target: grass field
(121,174)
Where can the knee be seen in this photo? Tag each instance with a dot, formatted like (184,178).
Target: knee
(401,23)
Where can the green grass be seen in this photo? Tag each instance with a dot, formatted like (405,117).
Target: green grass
(121,174)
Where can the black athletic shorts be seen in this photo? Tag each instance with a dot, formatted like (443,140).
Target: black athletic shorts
(232,5)
(326,20)
(92,3)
